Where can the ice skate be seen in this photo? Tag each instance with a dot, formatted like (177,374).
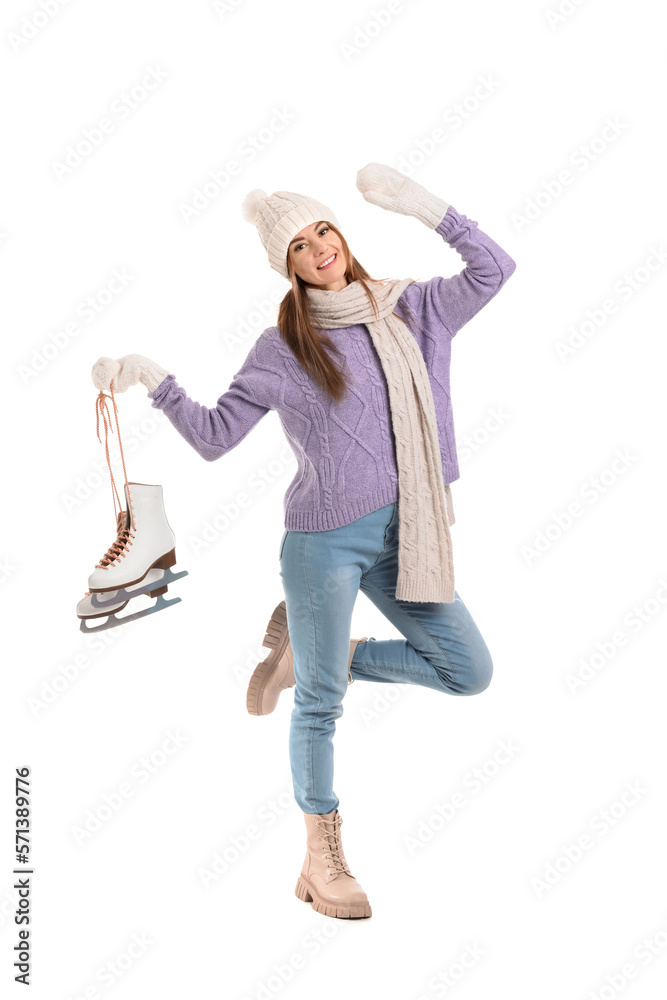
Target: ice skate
(140,560)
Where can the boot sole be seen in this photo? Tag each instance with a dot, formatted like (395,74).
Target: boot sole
(305,891)
(165,561)
(276,638)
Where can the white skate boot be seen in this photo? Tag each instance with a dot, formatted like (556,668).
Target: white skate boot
(144,542)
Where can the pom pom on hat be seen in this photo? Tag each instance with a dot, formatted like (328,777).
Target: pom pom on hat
(250,204)
(278,217)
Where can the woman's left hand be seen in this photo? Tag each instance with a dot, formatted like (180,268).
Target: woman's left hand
(386,187)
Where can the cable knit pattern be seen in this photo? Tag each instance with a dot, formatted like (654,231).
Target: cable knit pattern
(346,458)
(326,466)
(362,349)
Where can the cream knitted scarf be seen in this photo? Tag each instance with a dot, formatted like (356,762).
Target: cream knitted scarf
(425,562)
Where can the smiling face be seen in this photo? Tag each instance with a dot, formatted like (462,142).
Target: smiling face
(312,247)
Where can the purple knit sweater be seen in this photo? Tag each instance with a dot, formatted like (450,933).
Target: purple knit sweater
(346,451)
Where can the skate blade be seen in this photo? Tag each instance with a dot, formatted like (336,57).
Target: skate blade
(113,622)
(127,595)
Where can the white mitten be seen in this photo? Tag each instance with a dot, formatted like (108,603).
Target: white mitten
(127,371)
(104,370)
(388,188)
(136,368)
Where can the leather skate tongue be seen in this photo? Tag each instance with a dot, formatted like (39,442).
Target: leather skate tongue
(123,521)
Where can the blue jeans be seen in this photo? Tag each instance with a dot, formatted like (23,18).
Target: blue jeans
(322,572)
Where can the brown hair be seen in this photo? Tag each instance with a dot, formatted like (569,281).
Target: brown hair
(298,332)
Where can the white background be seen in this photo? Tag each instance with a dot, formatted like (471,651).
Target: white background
(201,291)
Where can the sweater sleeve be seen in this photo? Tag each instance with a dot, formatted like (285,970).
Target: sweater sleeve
(452,302)
(213,431)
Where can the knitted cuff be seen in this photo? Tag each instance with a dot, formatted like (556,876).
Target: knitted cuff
(427,207)
(158,395)
(152,376)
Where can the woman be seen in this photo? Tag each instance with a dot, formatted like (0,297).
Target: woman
(358,371)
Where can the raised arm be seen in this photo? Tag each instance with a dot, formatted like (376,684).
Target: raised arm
(457,299)
(451,302)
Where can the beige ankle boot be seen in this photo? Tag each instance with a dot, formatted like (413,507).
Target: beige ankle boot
(276,672)
(325,878)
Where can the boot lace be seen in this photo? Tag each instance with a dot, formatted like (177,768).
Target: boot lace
(124,535)
(120,547)
(333,849)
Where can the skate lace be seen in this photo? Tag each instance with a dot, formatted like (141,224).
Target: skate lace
(124,535)
(332,850)
(120,547)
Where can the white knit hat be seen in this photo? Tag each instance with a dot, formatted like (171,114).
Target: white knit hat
(279,217)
